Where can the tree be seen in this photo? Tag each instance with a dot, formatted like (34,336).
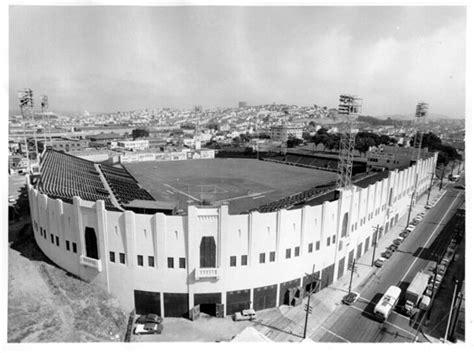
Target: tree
(434,143)
(293,141)
(138,133)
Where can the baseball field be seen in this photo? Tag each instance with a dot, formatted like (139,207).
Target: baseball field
(243,183)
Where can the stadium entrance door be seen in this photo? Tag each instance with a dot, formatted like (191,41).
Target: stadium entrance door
(209,303)
(147,302)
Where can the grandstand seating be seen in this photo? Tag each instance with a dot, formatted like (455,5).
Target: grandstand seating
(293,200)
(64,176)
(124,186)
(305,161)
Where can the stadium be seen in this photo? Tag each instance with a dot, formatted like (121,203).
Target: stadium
(217,235)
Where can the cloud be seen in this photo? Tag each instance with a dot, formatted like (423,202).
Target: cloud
(109,59)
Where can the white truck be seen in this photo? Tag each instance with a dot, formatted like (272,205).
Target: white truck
(415,291)
(384,307)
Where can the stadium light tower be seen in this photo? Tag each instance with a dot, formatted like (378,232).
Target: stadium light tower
(420,113)
(44,106)
(25,102)
(349,107)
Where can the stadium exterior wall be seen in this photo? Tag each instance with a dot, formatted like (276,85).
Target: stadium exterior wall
(162,237)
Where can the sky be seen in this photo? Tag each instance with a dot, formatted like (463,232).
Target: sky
(106,59)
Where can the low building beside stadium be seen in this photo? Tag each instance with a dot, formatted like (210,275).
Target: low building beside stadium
(168,264)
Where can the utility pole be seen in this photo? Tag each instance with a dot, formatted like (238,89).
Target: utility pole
(375,244)
(450,310)
(308,306)
(442,177)
(412,201)
(459,167)
(455,319)
(353,267)
(429,190)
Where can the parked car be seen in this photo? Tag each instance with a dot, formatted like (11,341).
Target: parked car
(410,228)
(445,261)
(425,302)
(393,247)
(380,261)
(247,314)
(150,328)
(421,214)
(441,270)
(428,206)
(398,241)
(149,318)
(350,298)
(403,234)
(387,254)
(452,245)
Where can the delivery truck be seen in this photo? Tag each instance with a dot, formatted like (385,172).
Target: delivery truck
(415,291)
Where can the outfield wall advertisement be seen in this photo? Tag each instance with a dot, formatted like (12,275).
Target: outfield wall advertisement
(167,156)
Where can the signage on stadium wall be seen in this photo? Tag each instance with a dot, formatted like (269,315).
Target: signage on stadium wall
(167,156)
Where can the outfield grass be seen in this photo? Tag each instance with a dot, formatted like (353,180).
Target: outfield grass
(244,183)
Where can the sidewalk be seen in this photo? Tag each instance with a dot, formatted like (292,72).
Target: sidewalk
(286,324)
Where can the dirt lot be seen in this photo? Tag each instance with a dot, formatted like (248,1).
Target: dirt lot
(46,304)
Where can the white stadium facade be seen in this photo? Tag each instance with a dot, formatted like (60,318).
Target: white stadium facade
(168,264)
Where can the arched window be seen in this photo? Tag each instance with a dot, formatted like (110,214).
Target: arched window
(208,252)
(345,220)
(91,244)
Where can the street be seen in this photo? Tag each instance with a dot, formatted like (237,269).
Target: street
(356,323)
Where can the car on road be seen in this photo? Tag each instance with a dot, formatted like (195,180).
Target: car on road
(149,318)
(380,261)
(398,241)
(462,187)
(387,254)
(150,328)
(350,298)
(11,199)
(247,314)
